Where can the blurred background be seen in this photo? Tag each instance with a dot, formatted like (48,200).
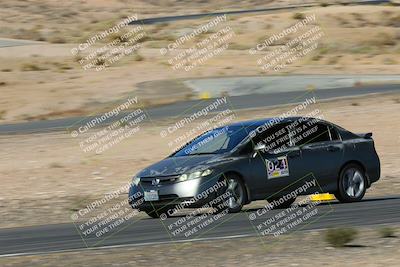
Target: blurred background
(47,91)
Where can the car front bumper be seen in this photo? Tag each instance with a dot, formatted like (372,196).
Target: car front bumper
(192,193)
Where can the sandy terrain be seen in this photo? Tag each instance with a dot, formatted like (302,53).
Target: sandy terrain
(299,249)
(45,177)
(45,81)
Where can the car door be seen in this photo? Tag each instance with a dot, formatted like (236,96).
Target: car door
(321,150)
(279,164)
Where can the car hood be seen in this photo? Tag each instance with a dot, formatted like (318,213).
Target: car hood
(179,165)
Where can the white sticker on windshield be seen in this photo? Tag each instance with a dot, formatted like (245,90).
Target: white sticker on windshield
(278,167)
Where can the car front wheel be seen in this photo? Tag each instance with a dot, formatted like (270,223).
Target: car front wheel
(235,193)
(352,184)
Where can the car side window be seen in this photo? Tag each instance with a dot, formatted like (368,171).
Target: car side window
(275,138)
(310,132)
(334,133)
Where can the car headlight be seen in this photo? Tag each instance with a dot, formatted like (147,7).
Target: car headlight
(194,175)
(135,180)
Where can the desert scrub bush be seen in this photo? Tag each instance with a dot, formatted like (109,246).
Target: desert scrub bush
(316,57)
(68,13)
(236,46)
(361,49)
(324,49)
(389,61)
(32,67)
(159,27)
(79,202)
(100,61)
(383,39)
(298,16)
(28,34)
(119,36)
(339,237)
(62,66)
(78,57)
(2,114)
(138,57)
(334,59)
(268,26)
(390,19)
(395,21)
(158,37)
(145,38)
(156,44)
(57,38)
(387,232)
(397,35)
(56,165)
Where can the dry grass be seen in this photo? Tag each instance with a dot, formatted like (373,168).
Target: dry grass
(32,67)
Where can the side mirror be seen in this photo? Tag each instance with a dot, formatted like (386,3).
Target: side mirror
(259,147)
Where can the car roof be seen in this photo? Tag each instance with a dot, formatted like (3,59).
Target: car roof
(274,120)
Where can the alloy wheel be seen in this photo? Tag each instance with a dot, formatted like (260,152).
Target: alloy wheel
(353,182)
(236,194)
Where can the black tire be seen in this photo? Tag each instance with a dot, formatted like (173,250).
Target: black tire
(352,184)
(284,205)
(153,214)
(238,195)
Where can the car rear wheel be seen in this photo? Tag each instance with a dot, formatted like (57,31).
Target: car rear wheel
(352,184)
(236,194)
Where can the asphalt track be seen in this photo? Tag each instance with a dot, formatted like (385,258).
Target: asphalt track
(180,109)
(149,21)
(140,232)
(6,42)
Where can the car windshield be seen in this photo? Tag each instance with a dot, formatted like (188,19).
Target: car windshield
(216,141)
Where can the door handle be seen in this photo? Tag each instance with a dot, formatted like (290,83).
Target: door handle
(332,148)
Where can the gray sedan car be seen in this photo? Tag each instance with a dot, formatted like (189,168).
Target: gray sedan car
(228,167)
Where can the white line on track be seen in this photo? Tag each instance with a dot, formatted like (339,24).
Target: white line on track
(126,245)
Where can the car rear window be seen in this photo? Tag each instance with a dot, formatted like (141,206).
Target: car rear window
(308,133)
